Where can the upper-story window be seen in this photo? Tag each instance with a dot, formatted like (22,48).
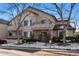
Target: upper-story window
(43,21)
(26,23)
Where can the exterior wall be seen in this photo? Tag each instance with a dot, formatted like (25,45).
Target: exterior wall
(52,34)
(3,31)
(13,35)
(37,35)
(55,33)
(69,33)
(76,33)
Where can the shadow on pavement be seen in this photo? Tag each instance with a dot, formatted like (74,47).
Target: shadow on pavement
(30,50)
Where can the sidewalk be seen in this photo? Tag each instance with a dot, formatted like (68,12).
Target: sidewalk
(72,46)
(52,51)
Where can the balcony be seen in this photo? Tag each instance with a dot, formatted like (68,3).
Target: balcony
(38,26)
(27,28)
(41,26)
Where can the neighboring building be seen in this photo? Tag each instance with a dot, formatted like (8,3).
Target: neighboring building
(39,25)
(3,29)
(76,32)
(59,27)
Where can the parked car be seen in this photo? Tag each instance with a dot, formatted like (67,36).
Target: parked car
(2,41)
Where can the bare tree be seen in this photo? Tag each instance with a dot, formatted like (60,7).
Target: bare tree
(60,13)
(59,9)
(13,10)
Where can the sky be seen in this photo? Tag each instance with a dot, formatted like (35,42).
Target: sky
(47,7)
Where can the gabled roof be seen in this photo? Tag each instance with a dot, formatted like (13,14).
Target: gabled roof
(37,10)
(61,27)
(2,21)
(42,11)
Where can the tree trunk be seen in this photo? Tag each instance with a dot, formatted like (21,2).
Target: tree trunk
(18,38)
(64,36)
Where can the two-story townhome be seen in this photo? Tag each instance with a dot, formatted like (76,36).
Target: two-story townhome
(39,25)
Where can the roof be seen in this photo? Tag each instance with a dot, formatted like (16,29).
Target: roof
(37,10)
(61,27)
(2,21)
(62,20)
(43,12)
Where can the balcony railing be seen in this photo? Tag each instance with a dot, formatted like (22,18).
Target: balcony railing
(39,26)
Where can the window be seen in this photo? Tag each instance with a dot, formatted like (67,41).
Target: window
(26,23)
(25,34)
(43,21)
(44,34)
(61,34)
(10,34)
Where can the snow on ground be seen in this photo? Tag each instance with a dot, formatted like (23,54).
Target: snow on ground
(74,46)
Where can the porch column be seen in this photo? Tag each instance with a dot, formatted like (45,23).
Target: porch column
(58,33)
(28,35)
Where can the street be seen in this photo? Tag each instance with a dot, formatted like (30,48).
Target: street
(4,52)
(15,52)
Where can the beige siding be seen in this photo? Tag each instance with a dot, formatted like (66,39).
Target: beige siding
(55,33)
(69,33)
(3,31)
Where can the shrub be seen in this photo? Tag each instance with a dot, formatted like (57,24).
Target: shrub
(56,39)
(70,38)
(29,40)
(77,38)
(60,39)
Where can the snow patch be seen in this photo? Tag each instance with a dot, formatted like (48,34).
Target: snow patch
(72,46)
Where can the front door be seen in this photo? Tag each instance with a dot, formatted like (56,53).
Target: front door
(61,34)
(44,36)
